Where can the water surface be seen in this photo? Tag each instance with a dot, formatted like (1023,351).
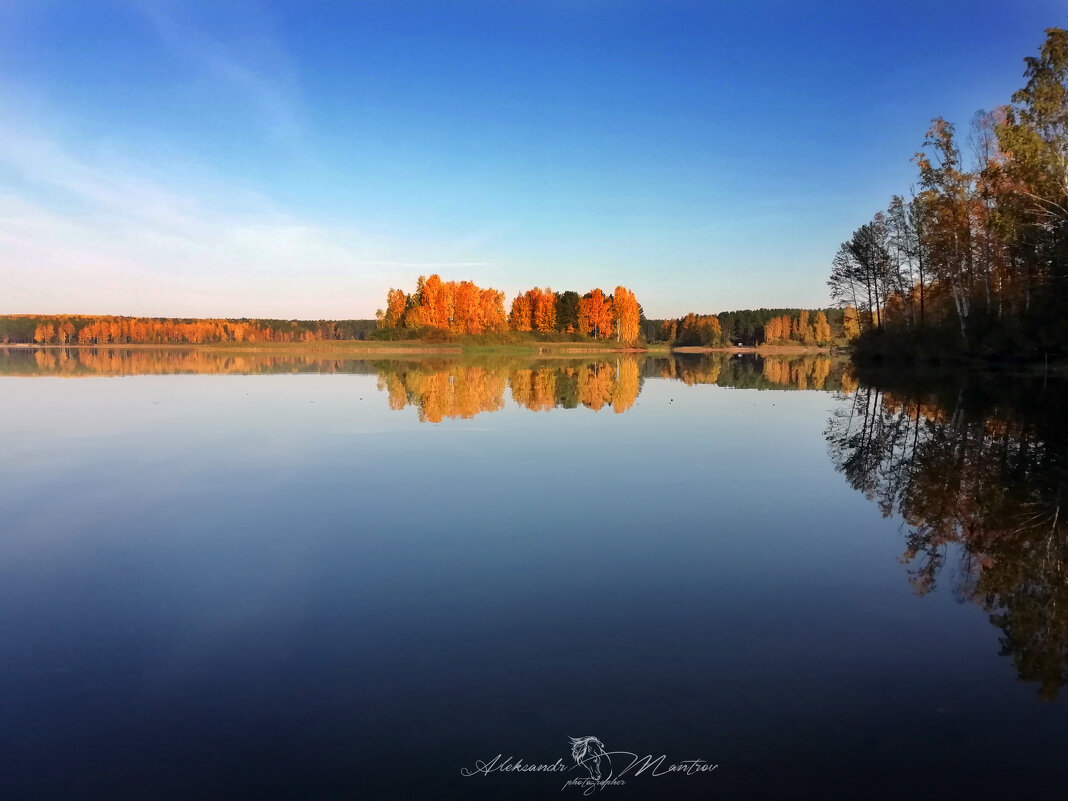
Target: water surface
(255,576)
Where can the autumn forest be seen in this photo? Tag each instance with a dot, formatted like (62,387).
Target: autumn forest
(973,260)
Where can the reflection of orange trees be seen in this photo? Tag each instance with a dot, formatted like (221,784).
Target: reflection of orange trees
(703,373)
(126,361)
(805,373)
(628,385)
(477,389)
(595,385)
(598,384)
(119,362)
(849,381)
(394,386)
(455,392)
(534,389)
(814,372)
(463,391)
(609,383)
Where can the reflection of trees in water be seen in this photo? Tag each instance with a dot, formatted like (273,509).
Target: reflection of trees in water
(456,390)
(111,361)
(988,476)
(804,373)
(536,384)
(534,389)
(751,371)
(628,385)
(442,389)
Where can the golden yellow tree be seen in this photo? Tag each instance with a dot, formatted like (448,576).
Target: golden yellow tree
(627,315)
(821,329)
(435,303)
(396,301)
(595,314)
(491,311)
(521,315)
(850,322)
(543,310)
(627,386)
(466,309)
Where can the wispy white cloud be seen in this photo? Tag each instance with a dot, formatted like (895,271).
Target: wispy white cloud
(85,226)
(97,232)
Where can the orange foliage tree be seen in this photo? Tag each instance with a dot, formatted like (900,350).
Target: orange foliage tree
(107,330)
(596,315)
(463,307)
(821,329)
(543,310)
(627,314)
(460,307)
(396,301)
(521,316)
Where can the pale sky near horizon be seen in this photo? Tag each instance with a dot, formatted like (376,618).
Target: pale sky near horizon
(293,159)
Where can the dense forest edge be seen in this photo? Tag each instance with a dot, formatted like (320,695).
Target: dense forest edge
(972,264)
(749,328)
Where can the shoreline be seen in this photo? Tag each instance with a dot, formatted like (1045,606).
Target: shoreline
(758,349)
(346,347)
(372,347)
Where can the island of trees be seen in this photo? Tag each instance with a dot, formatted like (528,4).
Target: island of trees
(438,308)
(972,263)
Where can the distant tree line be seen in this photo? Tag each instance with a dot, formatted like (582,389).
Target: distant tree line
(111,330)
(751,327)
(974,260)
(440,308)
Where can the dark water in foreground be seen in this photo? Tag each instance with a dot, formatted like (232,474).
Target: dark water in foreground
(341,580)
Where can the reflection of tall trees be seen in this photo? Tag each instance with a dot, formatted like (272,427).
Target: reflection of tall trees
(974,473)
(453,391)
(444,389)
(447,390)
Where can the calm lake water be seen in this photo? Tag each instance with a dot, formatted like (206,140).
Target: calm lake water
(250,577)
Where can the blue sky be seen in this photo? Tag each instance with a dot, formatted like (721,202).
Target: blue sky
(297,159)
